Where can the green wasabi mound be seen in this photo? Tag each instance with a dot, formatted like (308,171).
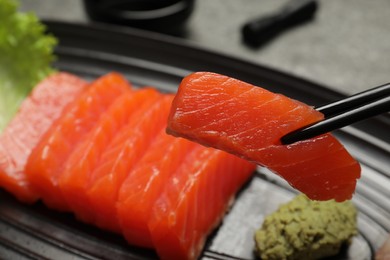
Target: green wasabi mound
(306,229)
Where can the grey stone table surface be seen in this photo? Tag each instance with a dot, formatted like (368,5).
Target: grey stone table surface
(346,47)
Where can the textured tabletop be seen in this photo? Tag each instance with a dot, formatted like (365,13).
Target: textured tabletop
(346,47)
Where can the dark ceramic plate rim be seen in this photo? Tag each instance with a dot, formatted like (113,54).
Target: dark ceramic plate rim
(91,50)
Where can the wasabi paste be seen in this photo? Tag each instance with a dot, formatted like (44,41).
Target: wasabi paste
(306,229)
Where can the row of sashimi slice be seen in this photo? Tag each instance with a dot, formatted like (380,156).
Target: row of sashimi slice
(100,150)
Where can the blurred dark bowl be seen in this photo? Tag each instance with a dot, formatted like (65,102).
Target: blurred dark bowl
(158,15)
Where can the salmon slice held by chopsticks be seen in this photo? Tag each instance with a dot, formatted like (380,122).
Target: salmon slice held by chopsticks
(249,121)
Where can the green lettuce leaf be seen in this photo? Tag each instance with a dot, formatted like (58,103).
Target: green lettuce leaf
(26,54)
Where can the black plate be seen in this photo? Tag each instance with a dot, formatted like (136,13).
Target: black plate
(151,59)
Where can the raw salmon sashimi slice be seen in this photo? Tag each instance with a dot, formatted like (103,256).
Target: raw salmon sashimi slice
(195,200)
(36,114)
(47,160)
(75,180)
(249,121)
(145,183)
(320,167)
(121,156)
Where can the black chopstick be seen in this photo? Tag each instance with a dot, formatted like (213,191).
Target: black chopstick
(345,112)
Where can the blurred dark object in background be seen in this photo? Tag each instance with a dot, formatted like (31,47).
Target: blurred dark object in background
(261,30)
(167,16)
